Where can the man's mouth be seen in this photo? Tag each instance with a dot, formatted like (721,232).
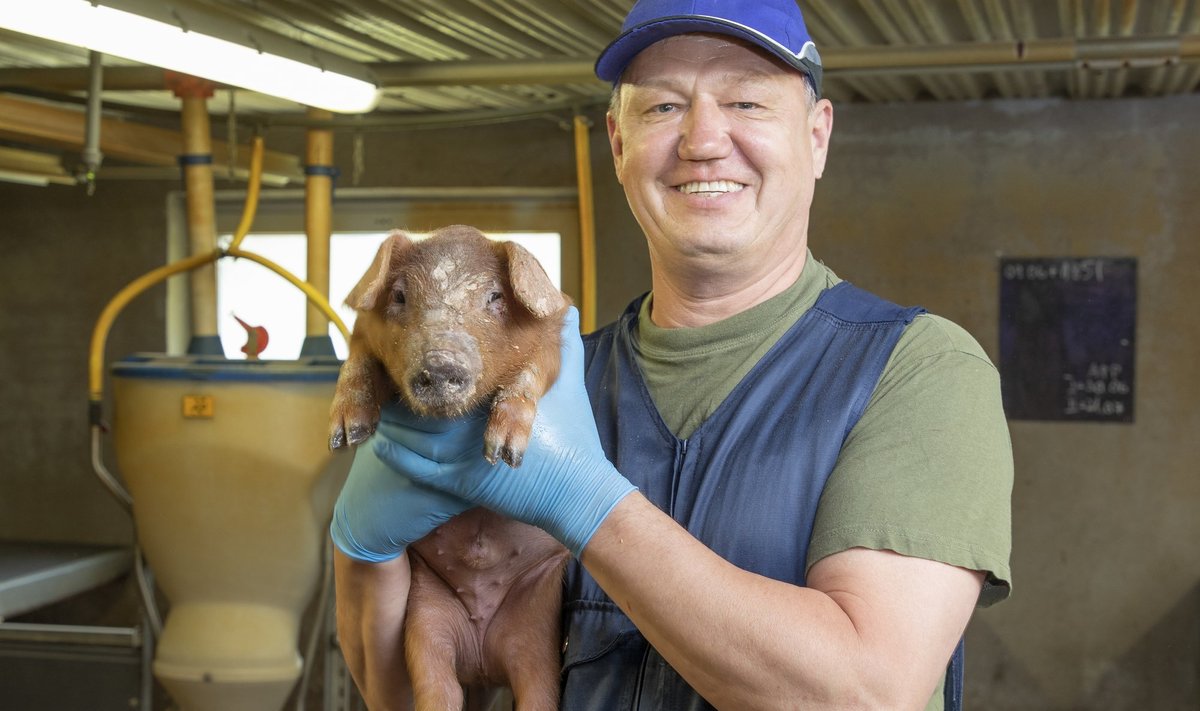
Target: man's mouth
(710,187)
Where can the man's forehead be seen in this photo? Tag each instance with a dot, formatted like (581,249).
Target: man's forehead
(724,53)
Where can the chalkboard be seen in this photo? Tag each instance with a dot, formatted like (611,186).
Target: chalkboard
(1067,328)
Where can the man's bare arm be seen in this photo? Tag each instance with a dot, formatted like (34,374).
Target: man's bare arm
(371,602)
(874,629)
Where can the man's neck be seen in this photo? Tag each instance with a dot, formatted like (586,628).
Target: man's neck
(698,297)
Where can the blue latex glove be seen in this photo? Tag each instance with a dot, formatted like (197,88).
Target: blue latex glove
(564,485)
(380,512)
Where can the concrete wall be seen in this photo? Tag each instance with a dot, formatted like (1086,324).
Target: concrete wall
(918,203)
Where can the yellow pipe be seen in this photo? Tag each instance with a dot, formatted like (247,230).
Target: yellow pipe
(201,211)
(149,279)
(314,294)
(587,227)
(318,222)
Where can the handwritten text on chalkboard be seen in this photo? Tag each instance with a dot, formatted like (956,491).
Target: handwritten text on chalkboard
(1044,269)
(1067,329)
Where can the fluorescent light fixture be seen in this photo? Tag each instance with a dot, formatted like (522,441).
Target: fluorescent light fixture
(182,38)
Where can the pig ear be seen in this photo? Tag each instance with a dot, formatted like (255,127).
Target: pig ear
(529,282)
(378,278)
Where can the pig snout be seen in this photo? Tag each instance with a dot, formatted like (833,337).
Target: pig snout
(443,377)
(446,379)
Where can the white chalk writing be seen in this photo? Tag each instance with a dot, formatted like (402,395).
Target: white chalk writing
(1102,391)
(1067,269)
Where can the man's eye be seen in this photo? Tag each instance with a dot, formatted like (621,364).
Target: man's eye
(745,105)
(663,108)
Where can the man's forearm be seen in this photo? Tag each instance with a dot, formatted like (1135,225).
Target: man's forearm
(744,641)
(371,602)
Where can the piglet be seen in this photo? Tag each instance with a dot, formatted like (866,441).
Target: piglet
(448,324)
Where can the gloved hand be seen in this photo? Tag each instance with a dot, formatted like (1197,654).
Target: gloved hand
(564,485)
(379,511)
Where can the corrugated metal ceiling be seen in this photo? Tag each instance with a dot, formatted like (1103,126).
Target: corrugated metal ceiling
(458,58)
(465,35)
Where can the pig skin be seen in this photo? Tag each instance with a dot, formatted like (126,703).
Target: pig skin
(447,324)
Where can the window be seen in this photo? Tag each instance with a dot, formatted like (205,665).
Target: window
(545,221)
(260,297)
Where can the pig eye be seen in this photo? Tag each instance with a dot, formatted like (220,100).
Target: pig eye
(398,297)
(495,296)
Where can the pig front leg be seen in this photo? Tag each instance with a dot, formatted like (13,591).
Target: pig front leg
(513,409)
(362,387)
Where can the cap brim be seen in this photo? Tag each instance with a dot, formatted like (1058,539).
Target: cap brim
(617,55)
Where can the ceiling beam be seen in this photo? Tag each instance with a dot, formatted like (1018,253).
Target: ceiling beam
(122,78)
(18,165)
(40,123)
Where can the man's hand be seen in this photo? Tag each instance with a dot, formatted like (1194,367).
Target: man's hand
(565,485)
(380,512)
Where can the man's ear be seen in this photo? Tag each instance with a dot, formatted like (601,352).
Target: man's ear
(615,143)
(375,282)
(821,126)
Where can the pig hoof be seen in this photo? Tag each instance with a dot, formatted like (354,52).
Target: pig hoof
(502,452)
(512,457)
(337,440)
(360,433)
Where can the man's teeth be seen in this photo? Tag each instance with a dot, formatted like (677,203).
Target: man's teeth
(710,186)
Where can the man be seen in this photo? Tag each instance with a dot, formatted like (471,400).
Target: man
(822,478)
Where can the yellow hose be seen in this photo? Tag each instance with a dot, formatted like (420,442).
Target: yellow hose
(144,282)
(149,279)
(251,207)
(118,302)
(317,298)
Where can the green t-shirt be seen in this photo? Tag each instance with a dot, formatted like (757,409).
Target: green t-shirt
(927,470)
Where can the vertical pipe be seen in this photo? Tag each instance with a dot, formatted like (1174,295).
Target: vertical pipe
(318,226)
(91,155)
(587,226)
(196,161)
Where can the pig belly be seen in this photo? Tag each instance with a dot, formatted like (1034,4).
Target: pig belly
(485,607)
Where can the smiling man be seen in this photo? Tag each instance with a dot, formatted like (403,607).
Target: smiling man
(782,491)
(718,147)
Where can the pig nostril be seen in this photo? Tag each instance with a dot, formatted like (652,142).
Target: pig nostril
(445,383)
(455,378)
(441,380)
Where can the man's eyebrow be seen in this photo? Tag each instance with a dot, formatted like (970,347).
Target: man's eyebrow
(748,76)
(661,83)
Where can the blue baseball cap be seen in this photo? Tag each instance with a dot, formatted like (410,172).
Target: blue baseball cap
(774,25)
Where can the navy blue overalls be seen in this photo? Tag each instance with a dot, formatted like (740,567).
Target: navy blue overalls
(746,483)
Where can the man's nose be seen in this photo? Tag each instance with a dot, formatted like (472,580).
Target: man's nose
(705,132)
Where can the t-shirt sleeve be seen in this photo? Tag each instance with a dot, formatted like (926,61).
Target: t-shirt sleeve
(927,471)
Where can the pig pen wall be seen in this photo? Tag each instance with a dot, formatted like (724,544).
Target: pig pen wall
(917,204)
